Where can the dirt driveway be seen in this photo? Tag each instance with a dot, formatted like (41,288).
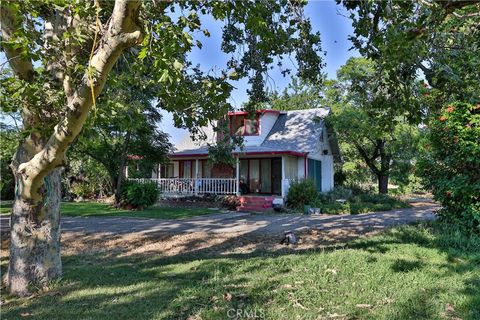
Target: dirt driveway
(247,223)
(226,233)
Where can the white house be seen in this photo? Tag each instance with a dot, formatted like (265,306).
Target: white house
(279,147)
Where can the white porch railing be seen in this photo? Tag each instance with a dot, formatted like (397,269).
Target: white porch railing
(192,186)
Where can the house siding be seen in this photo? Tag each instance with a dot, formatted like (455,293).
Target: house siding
(222,171)
(327,162)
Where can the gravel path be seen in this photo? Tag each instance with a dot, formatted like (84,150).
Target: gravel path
(247,223)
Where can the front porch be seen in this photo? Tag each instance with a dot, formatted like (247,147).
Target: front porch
(254,174)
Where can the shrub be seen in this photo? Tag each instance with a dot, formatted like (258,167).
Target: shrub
(336,208)
(230,202)
(450,167)
(338,193)
(139,195)
(301,193)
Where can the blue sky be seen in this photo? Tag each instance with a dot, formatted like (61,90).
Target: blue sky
(326,16)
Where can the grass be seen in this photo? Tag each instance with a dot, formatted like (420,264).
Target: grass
(413,272)
(95,209)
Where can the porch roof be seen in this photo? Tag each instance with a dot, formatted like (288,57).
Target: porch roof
(249,150)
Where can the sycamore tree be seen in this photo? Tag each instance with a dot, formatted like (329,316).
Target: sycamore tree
(60,55)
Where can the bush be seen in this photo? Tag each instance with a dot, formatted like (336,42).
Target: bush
(336,208)
(450,167)
(230,202)
(336,194)
(301,193)
(139,195)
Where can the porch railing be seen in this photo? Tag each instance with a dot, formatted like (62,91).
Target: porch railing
(192,186)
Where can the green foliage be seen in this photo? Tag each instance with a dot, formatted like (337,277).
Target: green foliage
(139,195)
(8,140)
(450,166)
(301,193)
(296,96)
(440,39)
(335,208)
(355,204)
(373,134)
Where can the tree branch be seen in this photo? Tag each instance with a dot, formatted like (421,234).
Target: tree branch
(17,56)
(124,30)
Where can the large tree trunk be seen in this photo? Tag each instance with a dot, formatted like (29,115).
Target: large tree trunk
(35,238)
(382,183)
(35,229)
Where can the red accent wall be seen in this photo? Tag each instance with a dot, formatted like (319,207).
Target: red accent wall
(223,171)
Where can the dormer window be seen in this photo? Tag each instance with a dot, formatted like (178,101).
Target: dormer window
(242,125)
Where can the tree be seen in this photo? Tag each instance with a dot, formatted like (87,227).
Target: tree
(8,136)
(296,96)
(366,118)
(450,164)
(437,39)
(61,54)
(126,124)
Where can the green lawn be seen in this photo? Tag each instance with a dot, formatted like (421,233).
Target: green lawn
(413,272)
(88,209)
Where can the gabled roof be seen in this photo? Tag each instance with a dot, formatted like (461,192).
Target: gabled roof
(295,132)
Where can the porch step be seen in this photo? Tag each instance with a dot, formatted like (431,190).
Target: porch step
(255,203)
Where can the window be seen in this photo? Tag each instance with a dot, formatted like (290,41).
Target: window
(315,172)
(251,127)
(166,170)
(241,125)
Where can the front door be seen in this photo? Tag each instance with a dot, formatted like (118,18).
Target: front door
(277,175)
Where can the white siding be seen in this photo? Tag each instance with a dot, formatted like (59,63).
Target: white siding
(267,120)
(327,162)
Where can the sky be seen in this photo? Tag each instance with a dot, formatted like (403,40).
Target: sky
(326,16)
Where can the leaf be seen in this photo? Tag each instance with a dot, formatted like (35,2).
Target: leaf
(177,65)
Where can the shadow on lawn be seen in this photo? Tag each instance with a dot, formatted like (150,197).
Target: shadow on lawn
(118,284)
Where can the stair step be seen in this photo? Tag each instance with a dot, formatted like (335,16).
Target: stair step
(251,208)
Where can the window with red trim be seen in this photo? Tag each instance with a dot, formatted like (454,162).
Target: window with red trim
(242,125)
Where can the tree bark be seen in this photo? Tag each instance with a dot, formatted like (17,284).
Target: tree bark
(35,238)
(35,220)
(382,183)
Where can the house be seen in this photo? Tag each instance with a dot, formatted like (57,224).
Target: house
(279,147)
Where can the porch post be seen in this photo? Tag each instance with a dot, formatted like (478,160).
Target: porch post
(196,177)
(283,177)
(237,181)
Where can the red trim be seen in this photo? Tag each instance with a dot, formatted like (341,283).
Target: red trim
(237,113)
(292,153)
(188,155)
(305,167)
